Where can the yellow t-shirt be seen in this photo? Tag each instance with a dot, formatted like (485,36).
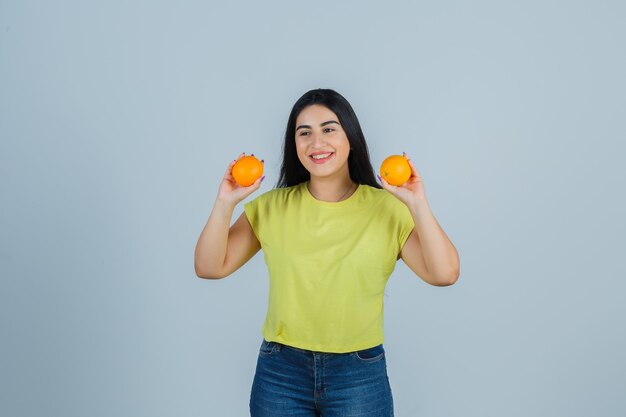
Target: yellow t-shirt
(328,264)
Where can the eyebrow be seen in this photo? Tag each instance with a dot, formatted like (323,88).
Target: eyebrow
(321,124)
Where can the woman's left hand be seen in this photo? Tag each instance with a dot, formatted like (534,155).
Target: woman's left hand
(412,190)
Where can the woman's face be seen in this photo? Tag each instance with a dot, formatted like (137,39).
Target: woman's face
(321,143)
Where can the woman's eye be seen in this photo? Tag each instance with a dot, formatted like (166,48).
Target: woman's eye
(328,129)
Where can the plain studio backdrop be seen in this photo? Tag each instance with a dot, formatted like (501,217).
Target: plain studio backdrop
(118,119)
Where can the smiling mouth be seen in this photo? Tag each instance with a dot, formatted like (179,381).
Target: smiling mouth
(321,158)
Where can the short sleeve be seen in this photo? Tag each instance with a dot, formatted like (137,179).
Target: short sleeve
(405,224)
(251,208)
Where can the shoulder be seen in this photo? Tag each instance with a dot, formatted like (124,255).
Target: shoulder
(381,195)
(275,195)
(384,202)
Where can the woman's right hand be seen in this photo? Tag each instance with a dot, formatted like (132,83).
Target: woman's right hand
(230,191)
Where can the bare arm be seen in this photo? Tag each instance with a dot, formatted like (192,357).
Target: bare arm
(221,249)
(428,251)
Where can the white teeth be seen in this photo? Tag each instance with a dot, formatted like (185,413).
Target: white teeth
(321,156)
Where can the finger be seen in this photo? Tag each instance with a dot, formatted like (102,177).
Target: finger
(234,161)
(384,183)
(414,170)
(408,159)
(241,155)
(230,167)
(256,184)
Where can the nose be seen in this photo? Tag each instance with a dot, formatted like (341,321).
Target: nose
(318,139)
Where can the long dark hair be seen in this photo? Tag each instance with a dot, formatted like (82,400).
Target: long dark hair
(292,171)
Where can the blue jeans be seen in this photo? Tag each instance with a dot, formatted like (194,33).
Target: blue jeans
(295,382)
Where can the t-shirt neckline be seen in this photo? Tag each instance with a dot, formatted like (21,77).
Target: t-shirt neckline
(348,201)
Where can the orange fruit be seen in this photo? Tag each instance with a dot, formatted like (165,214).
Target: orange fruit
(395,170)
(246,170)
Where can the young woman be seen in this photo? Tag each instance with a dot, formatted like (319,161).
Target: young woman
(331,236)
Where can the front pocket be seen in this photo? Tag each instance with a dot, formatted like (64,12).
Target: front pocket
(372,354)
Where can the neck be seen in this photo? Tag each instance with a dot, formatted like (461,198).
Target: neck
(331,190)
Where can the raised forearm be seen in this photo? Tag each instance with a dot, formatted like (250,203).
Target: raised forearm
(440,255)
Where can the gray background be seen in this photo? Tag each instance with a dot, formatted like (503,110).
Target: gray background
(118,119)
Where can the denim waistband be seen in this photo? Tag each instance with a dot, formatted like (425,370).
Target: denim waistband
(281,345)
